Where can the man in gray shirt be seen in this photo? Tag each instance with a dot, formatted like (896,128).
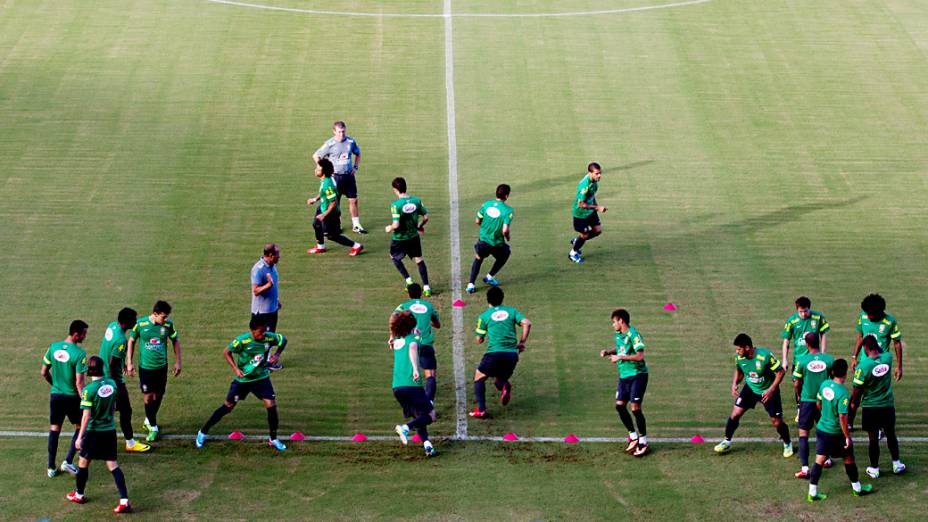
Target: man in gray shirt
(265,300)
(345,156)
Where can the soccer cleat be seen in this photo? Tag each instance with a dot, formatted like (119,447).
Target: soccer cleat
(506,395)
(52,473)
(865,489)
(356,250)
(70,468)
(274,367)
(358,229)
(828,463)
(74,497)
(787,450)
(575,258)
(123,508)
(898,469)
(152,436)
(816,497)
(426,291)
(477,414)
(490,281)
(430,451)
(573,241)
(470,288)
(873,472)
(801,474)
(632,444)
(201,439)
(316,250)
(276,444)
(723,447)
(138,447)
(641,450)
(403,432)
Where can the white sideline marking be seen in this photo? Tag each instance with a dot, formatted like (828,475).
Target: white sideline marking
(447,13)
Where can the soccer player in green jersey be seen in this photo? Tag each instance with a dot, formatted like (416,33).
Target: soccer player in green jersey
(405,342)
(426,319)
(797,325)
(628,356)
(809,372)
(833,436)
(151,335)
(97,438)
(586,211)
(494,219)
(873,389)
(252,352)
(873,320)
(497,326)
(327,222)
(63,367)
(113,353)
(762,373)
(409,219)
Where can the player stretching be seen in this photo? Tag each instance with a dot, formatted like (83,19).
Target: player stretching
(152,333)
(252,351)
(113,353)
(762,374)
(809,372)
(628,355)
(873,389)
(407,382)
(493,218)
(497,325)
(327,223)
(97,439)
(832,436)
(426,319)
(406,227)
(586,212)
(63,367)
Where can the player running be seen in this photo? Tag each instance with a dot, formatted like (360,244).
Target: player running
(494,219)
(63,367)
(97,439)
(804,320)
(406,211)
(762,374)
(586,211)
(809,372)
(873,389)
(152,334)
(497,325)
(252,356)
(327,222)
(113,353)
(426,319)
(628,355)
(832,436)
(407,382)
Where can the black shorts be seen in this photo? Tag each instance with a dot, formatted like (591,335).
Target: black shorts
(632,389)
(99,445)
(748,399)
(808,415)
(586,224)
(347,185)
(411,247)
(498,364)
(413,400)
(262,389)
(268,319)
(122,399)
(485,250)
(427,358)
(831,445)
(61,406)
(331,225)
(153,381)
(876,419)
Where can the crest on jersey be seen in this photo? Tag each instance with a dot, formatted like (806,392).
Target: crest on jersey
(105,391)
(409,208)
(109,334)
(163,330)
(418,308)
(398,344)
(759,364)
(814,323)
(880,370)
(882,328)
(500,315)
(61,356)
(828,393)
(493,212)
(817,367)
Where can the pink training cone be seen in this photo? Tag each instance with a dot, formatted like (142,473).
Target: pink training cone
(359,437)
(415,438)
(459,304)
(697,439)
(297,436)
(571,439)
(670,307)
(509,437)
(236,435)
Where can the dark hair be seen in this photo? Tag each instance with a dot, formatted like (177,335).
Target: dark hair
(593,166)
(338,125)
(77,326)
(803,302)
(161,307)
(415,291)
(271,248)
(402,324)
(743,340)
(127,317)
(95,366)
(812,340)
(839,368)
(256,322)
(872,343)
(502,191)
(495,296)
(622,314)
(399,184)
(327,168)
(874,306)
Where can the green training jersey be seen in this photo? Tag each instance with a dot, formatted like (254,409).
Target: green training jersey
(498,325)
(813,369)
(152,342)
(586,192)
(328,194)
(113,346)
(796,329)
(402,364)
(406,211)
(100,398)
(66,361)
(629,343)
(885,331)
(759,371)
(424,313)
(493,215)
(835,401)
(875,378)
(251,354)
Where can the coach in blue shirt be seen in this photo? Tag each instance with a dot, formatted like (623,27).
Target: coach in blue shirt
(265,300)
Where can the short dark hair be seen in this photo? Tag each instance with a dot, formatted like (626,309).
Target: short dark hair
(77,326)
(839,368)
(803,302)
(327,168)
(495,296)
(874,306)
(593,166)
(402,324)
(502,191)
(414,290)
(338,125)
(622,314)
(871,342)
(161,307)
(256,322)
(399,184)
(743,340)
(271,249)
(95,366)
(127,317)
(812,340)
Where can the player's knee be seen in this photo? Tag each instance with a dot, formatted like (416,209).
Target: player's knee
(55,427)
(271,403)
(418,260)
(776,421)
(433,415)
(636,406)
(229,405)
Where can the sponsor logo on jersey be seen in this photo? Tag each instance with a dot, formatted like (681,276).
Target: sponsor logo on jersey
(62,356)
(105,391)
(817,366)
(409,208)
(398,344)
(258,358)
(154,341)
(109,334)
(418,308)
(880,370)
(500,315)
(828,393)
(493,212)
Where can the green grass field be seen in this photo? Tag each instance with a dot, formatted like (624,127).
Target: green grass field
(752,152)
